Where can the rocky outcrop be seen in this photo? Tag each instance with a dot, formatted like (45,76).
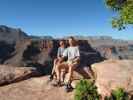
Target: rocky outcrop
(9,74)
(113,74)
(34,89)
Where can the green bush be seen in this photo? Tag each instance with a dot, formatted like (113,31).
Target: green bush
(86,90)
(118,94)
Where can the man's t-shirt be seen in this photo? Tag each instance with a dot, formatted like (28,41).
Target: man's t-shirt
(71,52)
(60,51)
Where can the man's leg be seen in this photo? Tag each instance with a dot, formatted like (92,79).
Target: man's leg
(68,86)
(70,72)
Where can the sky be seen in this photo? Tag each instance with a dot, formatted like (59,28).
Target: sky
(60,18)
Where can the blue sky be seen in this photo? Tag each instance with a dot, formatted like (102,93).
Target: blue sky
(61,18)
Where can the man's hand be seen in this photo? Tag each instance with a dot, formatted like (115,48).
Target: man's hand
(77,60)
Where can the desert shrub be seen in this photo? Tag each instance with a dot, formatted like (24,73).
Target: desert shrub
(118,94)
(86,90)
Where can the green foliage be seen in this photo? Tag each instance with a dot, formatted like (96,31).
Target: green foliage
(118,94)
(86,90)
(124,10)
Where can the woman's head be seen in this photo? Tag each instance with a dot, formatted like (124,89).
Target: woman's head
(72,41)
(62,43)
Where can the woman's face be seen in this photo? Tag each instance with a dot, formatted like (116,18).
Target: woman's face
(62,43)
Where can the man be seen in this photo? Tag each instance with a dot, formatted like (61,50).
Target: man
(73,59)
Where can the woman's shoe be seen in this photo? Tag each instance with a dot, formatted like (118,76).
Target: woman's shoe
(50,78)
(57,83)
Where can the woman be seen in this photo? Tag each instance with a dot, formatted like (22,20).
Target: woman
(58,59)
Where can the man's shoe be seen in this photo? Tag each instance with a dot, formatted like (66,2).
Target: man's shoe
(68,87)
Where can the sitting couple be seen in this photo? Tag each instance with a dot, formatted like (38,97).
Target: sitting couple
(67,60)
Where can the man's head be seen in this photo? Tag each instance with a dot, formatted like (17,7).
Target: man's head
(72,41)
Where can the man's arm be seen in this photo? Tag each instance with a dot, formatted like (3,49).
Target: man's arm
(77,58)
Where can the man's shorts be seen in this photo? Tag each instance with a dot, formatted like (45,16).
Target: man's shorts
(69,63)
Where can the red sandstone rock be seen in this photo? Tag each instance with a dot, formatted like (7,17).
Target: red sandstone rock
(114,74)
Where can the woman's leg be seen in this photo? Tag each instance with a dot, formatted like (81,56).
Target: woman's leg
(59,67)
(63,73)
(54,66)
(53,70)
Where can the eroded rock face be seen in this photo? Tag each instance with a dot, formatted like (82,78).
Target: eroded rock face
(38,54)
(17,56)
(113,74)
(34,89)
(9,74)
(41,53)
(115,51)
(45,51)
(6,51)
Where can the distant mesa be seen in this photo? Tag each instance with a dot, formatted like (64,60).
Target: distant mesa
(41,37)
